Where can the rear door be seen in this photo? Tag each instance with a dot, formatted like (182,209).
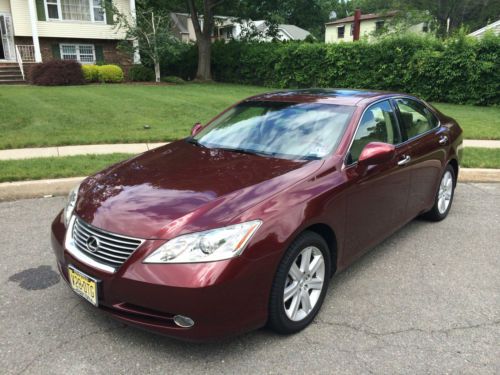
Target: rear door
(377,197)
(426,143)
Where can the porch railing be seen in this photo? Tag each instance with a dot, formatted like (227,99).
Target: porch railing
(27,53)
(20,62)
(24,54)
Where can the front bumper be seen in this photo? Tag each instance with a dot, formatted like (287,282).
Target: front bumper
(223,298)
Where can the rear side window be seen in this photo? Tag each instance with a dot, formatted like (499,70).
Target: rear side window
(378,124)
(416,118)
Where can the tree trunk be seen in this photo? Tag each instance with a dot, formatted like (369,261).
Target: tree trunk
(204,56)
(157,71)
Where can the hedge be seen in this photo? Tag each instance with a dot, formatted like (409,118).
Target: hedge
(456,70)
(57,73)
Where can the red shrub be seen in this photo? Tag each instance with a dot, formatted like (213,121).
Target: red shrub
(57,73)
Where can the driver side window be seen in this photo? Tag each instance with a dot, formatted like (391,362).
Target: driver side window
(378,124)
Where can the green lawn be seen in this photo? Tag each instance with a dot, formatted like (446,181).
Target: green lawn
(481,158)
(33,116)
(56,167)
(477,122)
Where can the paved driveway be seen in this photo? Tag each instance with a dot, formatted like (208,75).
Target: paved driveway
(427,300)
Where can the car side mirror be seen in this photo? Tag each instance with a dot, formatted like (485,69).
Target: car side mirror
(198,127)
(376,153)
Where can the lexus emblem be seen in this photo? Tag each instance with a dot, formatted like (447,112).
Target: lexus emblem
(92,244)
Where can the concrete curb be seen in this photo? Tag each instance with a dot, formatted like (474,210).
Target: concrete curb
(10,191)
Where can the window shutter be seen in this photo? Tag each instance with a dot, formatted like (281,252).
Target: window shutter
(99,54)
(40,10)
(56,52)
(108,5)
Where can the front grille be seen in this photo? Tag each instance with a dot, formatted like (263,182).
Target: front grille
(112,249)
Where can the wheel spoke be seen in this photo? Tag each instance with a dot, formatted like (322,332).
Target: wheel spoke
(315,284)
(306,260)
(294,307)
(315,264)
(295,272)
(290,291)
(306,301)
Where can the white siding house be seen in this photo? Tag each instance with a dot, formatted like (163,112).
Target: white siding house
(41,30)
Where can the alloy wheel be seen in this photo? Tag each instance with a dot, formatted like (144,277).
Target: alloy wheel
(445,192)
(304,283)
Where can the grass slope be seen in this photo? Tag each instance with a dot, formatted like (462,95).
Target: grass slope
(32,116)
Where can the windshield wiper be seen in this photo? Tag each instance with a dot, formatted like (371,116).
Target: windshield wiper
(243,151)
(195,142)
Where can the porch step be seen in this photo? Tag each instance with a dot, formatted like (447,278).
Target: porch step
(12,81)
(10,73)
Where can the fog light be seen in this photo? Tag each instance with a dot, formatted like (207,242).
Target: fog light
(183,321)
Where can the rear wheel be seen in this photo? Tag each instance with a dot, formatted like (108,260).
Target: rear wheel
(300,284)
(444,196)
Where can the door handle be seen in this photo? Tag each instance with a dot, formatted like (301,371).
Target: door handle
(443,140)
(405,160)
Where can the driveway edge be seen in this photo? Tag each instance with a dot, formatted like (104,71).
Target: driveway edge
(61,186)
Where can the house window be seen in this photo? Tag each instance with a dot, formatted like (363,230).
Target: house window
(379,25)
(425,27)
(98,11)
(52,9)
(75,10)
(84,53)
(352,29)
(340,32)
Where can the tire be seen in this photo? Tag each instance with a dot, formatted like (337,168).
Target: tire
(442,207)
(302,287)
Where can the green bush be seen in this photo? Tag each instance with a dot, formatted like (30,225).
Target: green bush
(140,73)
(110,74)
(173,79)
(457,70)
(90,73)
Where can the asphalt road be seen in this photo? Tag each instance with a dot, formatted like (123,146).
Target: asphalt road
(427,300)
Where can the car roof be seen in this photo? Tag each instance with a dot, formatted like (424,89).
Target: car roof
(329,96)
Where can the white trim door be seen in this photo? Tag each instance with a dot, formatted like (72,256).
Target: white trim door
(7,36)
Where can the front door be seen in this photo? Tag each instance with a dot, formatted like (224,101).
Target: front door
(377,197)
(6,38)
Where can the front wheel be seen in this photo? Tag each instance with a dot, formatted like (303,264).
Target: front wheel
(300,284)
(444,196)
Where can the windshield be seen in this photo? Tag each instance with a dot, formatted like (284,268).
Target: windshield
(282,130)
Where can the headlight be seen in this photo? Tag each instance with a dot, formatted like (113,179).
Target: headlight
(70,205)
(212,245)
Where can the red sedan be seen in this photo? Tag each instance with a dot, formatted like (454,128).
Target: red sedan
(244,222)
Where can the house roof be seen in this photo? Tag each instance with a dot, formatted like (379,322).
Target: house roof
(495,26)
(180,20)
(364,17)
(295,32)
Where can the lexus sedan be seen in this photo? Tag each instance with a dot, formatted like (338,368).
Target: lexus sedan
(244,222)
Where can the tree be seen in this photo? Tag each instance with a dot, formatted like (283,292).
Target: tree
(203,35)
(151,32)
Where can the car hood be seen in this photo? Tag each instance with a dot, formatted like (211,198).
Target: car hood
(181,188)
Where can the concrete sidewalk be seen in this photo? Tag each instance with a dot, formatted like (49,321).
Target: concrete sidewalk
(44,152)
(135,148)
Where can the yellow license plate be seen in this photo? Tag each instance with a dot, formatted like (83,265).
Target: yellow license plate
(83,285)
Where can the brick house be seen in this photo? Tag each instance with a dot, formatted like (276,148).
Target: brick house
(34,31)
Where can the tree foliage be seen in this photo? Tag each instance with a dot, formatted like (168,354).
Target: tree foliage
(459,69)
(151,34)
